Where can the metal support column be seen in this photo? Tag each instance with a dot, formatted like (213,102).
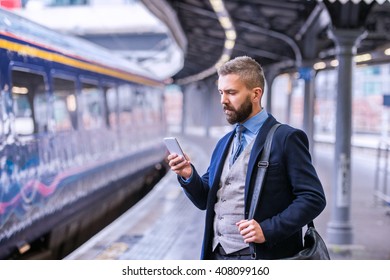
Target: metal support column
(270,76)
(184,114)
(308,74)
(208,90)
(339,228)
(268,104)
(291,81)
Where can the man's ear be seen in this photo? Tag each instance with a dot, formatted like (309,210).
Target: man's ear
(258,93)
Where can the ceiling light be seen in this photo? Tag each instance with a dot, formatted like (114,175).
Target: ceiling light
(362,57)
(319,65)
(334,63)
(229,44)
(19,90)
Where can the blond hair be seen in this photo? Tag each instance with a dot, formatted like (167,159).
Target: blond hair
(250,72)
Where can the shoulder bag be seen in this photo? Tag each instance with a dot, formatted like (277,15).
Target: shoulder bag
(314,246)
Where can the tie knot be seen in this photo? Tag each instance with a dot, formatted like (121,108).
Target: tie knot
(237,144)
(239,129)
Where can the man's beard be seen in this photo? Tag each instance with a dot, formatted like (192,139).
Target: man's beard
(241,114)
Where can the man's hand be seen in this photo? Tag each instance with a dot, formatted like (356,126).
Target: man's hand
(180,165)
(251,231)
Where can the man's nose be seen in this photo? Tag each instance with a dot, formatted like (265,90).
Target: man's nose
(223,98)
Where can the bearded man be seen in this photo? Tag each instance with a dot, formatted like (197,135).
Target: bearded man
(292,194)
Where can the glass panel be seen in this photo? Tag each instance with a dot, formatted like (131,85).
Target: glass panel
(112,103)
(92,111)
(126,102)
(29,102)
(65,104)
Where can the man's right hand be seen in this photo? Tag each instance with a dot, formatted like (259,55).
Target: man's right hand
(180,165)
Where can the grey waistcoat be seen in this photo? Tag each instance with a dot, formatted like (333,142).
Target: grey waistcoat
(229,208)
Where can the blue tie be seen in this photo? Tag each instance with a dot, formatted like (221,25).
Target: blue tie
(238,143)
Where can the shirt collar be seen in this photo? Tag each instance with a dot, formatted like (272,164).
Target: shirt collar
(255,123)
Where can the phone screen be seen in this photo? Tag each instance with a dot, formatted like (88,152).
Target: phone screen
(173,146)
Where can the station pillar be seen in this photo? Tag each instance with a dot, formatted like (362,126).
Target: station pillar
(289,97)
(210,89)
(270,75)
(339,228)
(308,74)
(184,113)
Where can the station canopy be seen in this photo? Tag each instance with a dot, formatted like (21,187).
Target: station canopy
(282,35)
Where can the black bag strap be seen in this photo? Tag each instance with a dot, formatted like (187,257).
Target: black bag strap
(262,168)
(261,171)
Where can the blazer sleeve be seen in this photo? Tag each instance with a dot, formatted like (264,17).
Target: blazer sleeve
(305,198)
(196,188)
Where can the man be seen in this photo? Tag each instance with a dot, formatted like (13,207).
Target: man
(291,196)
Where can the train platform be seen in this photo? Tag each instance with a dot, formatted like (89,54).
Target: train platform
(165,225)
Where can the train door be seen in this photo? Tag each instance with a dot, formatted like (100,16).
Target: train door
(29,122)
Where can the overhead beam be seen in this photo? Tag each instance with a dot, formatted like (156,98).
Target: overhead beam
(162,10)
(260,52)
(283,37)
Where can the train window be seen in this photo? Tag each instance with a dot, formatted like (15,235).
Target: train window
(148,106)
(126,103)
(65,104)
(111,105)
(92,106)
(29,102)
(152,105)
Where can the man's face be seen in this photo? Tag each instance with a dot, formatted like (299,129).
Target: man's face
(235,98)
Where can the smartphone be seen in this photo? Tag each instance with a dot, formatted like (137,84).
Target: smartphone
(173,146)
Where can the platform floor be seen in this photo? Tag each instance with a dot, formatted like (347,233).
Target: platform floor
(166,225)
(163,225)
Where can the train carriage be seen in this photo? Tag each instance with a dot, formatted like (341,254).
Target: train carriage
(80,134)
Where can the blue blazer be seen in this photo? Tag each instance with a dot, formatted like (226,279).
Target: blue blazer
(292,194)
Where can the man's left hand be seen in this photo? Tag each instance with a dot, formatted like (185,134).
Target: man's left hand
(251,231)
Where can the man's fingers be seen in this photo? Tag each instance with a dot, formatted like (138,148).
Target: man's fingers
(175,160)
(247,230)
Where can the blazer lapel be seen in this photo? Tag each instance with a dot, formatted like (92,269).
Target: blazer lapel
(255,153)
(220,159)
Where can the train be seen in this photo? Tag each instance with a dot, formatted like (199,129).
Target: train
(81,138)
